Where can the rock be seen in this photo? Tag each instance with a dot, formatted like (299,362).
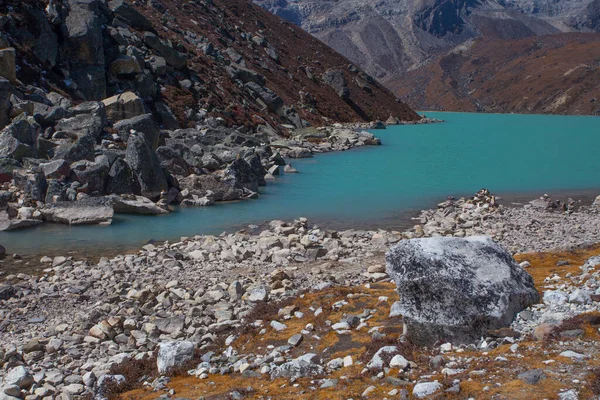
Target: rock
(131,204)
(8,68)
(126,12)
(56,169)
(13,148)
(455,290)
(399,361)
(376,363)
(143,124)
(258,294)
(302,366)
(123,106)
(78,213)
(424,389)
(7,167)
(278,326)
(81,149)
(121,179)
(5,104)
(572,354)
(532,377)
(170,325)
(580,296)
(288,169)
(295,340)
(20,377)
(173,355)
(337,81)
(146,167)
(172,56)
(83,125)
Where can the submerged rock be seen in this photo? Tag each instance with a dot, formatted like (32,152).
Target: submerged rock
(455,290)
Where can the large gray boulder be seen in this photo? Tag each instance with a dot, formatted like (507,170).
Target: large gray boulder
(336,79)
(146,167)
(455,290)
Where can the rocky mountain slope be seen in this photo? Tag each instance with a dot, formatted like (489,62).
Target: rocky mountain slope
(170,100)
(558,74)
(390,38)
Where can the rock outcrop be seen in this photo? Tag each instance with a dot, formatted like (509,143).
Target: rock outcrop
(456,290)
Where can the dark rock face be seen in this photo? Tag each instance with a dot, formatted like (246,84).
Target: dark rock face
(146,167)
(455,290)
(142,123)
(337,81)
(121,179)
(81,149)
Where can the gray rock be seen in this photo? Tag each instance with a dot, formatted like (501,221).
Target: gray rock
(82,125)
(170,325)
(8,67)
(532,376)
(20,377)
(172,56)
(123,106)
(143,124)
(424,389)
(295,340)
(121,179)
(126,12)
(305,365)
(56,169)
(173,355)
(81,149)
(131,204)
(456,290)
(78,213)
(337,81)
(146,167)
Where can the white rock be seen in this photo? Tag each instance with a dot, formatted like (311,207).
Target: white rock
(424,389)
(399,361)
(278,326)
(572,354)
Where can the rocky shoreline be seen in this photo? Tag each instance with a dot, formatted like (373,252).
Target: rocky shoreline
(76,322)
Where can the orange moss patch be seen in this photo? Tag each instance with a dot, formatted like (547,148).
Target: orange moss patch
(543,264)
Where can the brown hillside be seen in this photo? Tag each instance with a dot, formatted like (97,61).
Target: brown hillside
(554,74)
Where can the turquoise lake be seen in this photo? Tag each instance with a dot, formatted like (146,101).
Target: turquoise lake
(416,167)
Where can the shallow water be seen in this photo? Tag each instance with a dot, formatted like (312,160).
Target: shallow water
(521,156)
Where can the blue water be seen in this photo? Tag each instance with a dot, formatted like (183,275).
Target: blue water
(415,168)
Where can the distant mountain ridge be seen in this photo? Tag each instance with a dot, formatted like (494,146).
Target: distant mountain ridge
(392,38)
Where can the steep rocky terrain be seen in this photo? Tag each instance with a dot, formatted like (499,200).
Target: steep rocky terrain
(558,74)
(175,101)
(392,39)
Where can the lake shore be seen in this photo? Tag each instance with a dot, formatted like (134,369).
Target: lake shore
(120,308)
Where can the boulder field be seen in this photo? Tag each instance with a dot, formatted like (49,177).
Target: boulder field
(299,310)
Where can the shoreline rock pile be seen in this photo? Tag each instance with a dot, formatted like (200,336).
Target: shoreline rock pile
(519,229)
